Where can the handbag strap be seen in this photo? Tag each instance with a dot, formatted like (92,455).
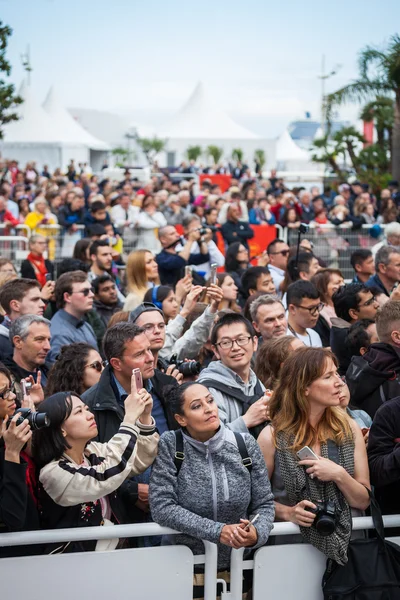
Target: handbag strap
(376,515)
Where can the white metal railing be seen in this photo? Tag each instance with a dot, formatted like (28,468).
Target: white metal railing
(270,564)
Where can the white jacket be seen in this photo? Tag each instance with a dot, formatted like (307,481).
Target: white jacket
(147,229)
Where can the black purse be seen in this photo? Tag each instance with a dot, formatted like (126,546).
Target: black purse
(372,571)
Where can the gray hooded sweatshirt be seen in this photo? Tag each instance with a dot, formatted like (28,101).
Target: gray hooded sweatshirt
(213,489)
(230,409)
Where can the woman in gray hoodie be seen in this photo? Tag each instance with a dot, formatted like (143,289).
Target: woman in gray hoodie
(214,491)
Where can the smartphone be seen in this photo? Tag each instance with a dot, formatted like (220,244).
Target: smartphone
(48,277)
(254,519)
(26,389)
(188,270)
(213,276)
(138,378)
(305,453)
(364,430)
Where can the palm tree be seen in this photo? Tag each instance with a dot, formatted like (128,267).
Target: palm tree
(380,112)
(324,151)
(237,154)
(151,147)
(379,75)
(348,140)
(194,152)
(215,152)
(260,157)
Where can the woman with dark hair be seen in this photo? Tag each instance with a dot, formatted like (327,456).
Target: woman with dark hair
(79,478)
(230,291)
(78,367)
(17,472)
(81,250)
(163,296)
(306,415)
(327,282)
(270,358)
(236,262)
(210,493)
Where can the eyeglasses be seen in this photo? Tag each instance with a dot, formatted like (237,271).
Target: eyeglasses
(96,365)
(368,302)
(85,292)
(150,327)
(241,342)
(6,394)
(313,310)
(283,252)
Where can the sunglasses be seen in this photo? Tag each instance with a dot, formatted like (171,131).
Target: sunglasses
(85,292)
(96,365)
(283,252)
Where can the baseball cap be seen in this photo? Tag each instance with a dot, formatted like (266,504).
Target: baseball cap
(142,308)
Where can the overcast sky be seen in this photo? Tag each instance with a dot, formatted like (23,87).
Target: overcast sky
(260,59)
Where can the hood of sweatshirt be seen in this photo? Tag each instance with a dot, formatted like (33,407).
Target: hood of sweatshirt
(216,370)
(366,373)
(212,445)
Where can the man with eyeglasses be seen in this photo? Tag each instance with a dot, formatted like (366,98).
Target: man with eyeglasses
(304,305)
(278,252)
(239,394)
(74,298)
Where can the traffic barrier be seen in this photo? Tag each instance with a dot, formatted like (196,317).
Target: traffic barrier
(289,572)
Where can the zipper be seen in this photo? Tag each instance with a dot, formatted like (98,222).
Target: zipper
(225,483)
(214,484)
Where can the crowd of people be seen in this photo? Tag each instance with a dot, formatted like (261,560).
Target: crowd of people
(144,385)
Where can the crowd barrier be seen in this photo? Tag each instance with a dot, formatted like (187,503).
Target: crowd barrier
(287,572)
(333,244)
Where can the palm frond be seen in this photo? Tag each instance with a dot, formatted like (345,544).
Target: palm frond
(372,57)
(357,91)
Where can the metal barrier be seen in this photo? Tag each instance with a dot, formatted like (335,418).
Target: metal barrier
(15,248)
(144,573)
(164,572)
(335,244)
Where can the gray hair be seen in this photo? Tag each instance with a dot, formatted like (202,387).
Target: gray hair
(392,229)
(20,326)
(189,219)
(265,300)
(34,238)
(383,255)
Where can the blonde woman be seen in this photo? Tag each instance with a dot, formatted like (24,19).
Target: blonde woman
(305,411)
(141,274)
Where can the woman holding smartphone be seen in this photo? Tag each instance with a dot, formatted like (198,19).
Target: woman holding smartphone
(79,478)
(305,412)
(210,494)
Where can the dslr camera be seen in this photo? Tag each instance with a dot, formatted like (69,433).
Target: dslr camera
(186,368)
(325,517)
(36,420)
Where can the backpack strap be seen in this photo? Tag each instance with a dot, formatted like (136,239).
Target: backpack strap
(246,460)
(234,392)
(179,454)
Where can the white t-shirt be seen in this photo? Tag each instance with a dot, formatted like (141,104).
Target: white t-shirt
(310,339)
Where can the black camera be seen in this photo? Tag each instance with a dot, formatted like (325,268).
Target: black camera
(325,517)
(304,227)
(203,230)
(36,420)
(188,368)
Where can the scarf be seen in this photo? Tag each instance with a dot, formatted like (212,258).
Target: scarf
(299,486)
(39,266)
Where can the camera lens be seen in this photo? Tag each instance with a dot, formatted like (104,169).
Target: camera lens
(38,420)
(325,525)
(189,368)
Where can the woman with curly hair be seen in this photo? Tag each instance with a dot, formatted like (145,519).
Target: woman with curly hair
(78,367)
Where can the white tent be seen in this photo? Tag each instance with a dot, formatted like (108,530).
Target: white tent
(289,156)
(202,122)
(43,137)
(70,131)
